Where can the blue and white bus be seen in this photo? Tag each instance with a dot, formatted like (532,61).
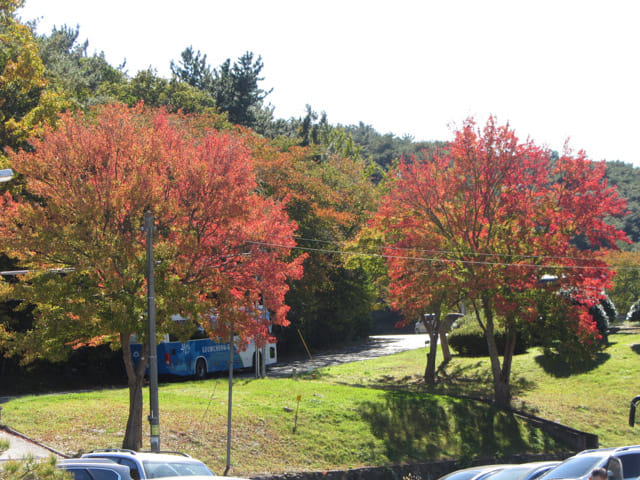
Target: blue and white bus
(201,356)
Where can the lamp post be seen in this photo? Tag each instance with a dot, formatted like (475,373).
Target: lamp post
(230,402)
(6,175)
(154,414)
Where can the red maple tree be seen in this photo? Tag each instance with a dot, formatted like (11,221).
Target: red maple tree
(88,184)
(486,218)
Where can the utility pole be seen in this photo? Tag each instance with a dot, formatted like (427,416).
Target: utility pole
(226,470)
(154,414)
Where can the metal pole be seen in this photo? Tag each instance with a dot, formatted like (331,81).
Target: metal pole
(226,470)
(154,414)
(256,357)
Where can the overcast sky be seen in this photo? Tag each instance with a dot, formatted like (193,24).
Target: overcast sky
(552,69)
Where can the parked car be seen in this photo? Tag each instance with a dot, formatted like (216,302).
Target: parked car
(524,471)
(473,473)
(94,469)
(146,465)
(621,463)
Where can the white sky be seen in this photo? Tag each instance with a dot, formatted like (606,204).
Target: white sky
(553,69)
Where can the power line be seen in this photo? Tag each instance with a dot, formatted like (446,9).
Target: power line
(448,252)
(399,257)
(443,260)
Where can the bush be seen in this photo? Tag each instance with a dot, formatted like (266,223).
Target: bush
(602,320)
(609,308)
(469,340)
(633,315)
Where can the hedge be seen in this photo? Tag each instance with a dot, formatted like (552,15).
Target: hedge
(469,341)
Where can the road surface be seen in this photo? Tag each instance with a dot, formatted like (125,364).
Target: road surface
(20,447)
(377,346)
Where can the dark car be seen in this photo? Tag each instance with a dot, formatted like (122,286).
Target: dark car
(524,471)
(473,473)
(621,463)
(94,469)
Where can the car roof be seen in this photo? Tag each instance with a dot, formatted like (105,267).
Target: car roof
(609,450)
(599,456)
(87,461)
(478,470)
(159,456)
(527,469)
(95,464)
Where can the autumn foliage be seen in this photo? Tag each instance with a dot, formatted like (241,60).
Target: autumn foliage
(485,219)
(88,184)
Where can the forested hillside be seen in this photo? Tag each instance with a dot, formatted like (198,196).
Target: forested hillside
(626,178)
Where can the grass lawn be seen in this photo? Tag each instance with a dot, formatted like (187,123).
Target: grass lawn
(595,399)
(367,413)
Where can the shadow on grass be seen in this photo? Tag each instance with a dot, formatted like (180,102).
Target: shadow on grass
(636,348)
(555,365)
(419,427)
(471,380)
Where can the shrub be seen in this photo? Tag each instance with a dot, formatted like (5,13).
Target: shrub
(602,320)
(609,308)
(469,341)
(633,315)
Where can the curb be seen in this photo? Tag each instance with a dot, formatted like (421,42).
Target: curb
(15,433)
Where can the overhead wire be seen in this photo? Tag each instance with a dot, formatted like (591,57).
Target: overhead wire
(407,257)
(448,252)
(445,260)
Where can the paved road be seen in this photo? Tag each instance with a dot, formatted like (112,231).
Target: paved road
(377,346)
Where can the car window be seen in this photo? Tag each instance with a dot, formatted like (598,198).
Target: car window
(462,475)
(486,474)
(155,469)
(191,468)
(159,470)
(514,473)
(540,472)
(79,473)
(575,467)
(133,467)
(630,465)
(103,474)
(87,473)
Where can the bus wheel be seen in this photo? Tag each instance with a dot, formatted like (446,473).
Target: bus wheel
(201,369)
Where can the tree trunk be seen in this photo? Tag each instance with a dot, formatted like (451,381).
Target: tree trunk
(501,386)
(135,378)
(503,390)
(433,328)
(133,434)
(430,370)
(444,343)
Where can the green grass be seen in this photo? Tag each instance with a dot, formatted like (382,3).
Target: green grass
(338,426)
(374,412)
(595,399)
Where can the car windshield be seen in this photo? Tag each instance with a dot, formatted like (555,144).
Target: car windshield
(512,473)
(157,469)
(575,467)
(463,474)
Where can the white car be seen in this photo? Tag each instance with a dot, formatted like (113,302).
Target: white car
(146,465)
